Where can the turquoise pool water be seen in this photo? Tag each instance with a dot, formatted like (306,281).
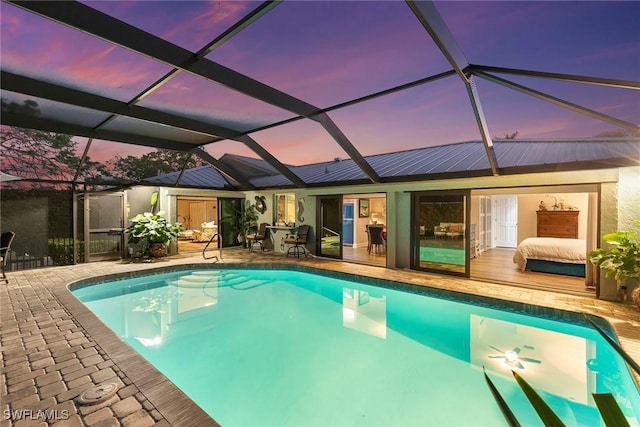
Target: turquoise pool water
(282,348)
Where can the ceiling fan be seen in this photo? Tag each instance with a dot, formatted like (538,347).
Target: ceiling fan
(513,358)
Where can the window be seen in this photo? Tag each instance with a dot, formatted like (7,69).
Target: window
(285,208)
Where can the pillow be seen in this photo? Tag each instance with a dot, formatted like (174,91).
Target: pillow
(454,228)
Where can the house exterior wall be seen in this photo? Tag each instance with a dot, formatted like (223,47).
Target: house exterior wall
(619,203)
(399,198)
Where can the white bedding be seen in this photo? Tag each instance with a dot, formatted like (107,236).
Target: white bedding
(572,251)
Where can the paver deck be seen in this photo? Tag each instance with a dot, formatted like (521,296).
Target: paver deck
(53,348)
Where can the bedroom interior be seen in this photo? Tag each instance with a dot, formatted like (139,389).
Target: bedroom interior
(558,219)
(198,216)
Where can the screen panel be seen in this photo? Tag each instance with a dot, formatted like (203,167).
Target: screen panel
(194,97)
(190,25)
(435,113)
(149,129)
(38,155)
(620,103)
(514,114)
(37,47)
(585,38)
(109,160)
(320,51)
(299,143)
(46,109)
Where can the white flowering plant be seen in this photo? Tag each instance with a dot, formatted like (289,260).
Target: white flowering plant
(152,228)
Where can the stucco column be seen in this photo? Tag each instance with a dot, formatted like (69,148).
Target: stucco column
(620,206)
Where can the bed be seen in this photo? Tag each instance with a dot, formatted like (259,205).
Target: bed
(552,255)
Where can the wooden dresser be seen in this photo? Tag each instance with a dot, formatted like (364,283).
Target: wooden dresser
(558,224)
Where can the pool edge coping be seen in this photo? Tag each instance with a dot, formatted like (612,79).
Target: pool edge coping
(171,402)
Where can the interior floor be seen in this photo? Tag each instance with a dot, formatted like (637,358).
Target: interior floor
(361,255)
(497,265)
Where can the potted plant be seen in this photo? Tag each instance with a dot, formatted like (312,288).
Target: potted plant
(246,220)
(621,260)
(152,232)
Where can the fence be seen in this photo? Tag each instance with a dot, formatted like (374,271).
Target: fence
(60,252)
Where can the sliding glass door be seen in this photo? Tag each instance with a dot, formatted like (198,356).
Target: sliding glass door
(440,240)
(329,220)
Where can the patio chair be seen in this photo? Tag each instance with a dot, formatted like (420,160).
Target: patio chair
(5,247)
(258,237)
(297,241)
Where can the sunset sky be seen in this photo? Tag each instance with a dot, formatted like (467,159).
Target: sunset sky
(326,53)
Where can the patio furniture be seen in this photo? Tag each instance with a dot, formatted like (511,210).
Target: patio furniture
(207,231)
(452,230)
(298,240)
(440,231)
(455,231)
(186,235)
(5,247)
(258,237)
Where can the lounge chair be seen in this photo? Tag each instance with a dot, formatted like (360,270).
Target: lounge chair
(297,241)
(5,247)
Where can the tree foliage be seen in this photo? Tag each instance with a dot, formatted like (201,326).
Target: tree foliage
(151,164)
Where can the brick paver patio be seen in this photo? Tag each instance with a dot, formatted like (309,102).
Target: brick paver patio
(54,348)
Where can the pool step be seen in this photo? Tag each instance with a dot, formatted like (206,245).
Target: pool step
(203,280)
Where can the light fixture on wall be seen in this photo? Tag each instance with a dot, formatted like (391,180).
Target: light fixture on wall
(374,217)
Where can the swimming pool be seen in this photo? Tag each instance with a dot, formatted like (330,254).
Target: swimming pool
(275,347)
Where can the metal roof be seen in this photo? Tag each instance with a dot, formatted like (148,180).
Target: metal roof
(203,176)
(463,159)
(217,79)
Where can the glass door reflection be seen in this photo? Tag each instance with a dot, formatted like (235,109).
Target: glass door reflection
(364,312)
(441,241)
(329,234)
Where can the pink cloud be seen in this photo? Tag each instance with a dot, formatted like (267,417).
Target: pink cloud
(209,22)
